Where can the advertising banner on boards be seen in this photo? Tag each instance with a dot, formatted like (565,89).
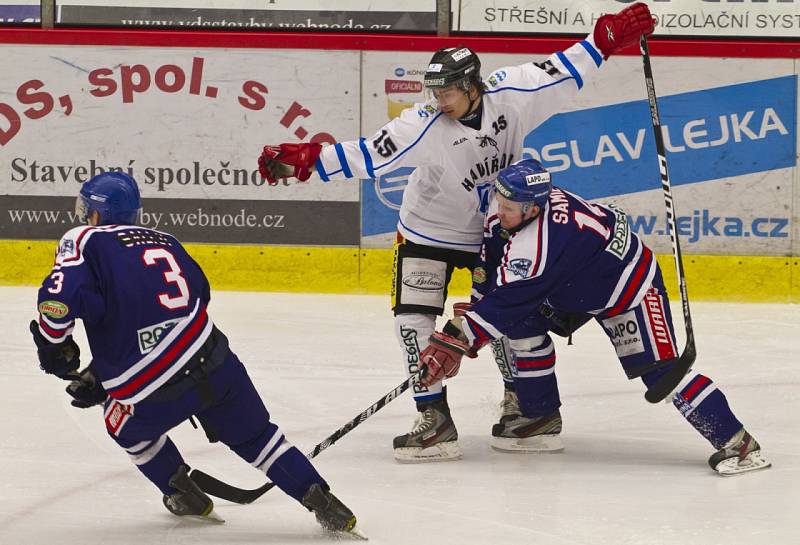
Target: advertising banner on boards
(20,12)
(730,127)
(189,125)
(297,15)
(712,18)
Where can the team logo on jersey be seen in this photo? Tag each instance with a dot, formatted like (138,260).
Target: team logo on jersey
(479,275)
(66,247)
(486,141)
(488,167)
(495,79)
(426,111)
(520,266)
(54,309)
(149,336)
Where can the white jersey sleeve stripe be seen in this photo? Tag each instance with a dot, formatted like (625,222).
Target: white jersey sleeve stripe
(593,52)
(530,89)
(343,160)
(367,157)
(572,70)
(320,168)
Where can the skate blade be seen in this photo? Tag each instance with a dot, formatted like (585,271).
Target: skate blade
(752,462)
(440,452)
(353,533)
(210,518)
(539,443)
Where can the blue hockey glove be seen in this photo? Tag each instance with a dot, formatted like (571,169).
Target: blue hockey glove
(62,359)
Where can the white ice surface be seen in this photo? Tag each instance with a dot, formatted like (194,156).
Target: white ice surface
(632,473)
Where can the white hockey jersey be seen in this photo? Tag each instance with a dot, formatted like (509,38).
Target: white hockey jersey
(449,192)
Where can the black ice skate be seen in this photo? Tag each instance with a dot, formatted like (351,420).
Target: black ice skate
(189,500)
(433,438)
(517,433)
(332,514)
(742,453)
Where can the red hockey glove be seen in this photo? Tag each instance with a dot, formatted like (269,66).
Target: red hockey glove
(614,32)
(285,160)
(442,358)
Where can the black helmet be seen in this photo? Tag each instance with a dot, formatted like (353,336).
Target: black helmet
(452,65)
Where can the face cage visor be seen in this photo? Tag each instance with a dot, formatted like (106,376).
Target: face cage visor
(447,94)
(83,209)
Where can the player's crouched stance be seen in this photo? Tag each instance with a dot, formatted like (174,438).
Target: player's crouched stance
(546,246)
(157,358)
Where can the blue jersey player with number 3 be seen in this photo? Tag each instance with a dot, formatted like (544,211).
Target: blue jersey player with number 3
(157,357)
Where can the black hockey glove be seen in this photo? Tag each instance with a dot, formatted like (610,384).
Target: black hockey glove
(86,390)
(61,360)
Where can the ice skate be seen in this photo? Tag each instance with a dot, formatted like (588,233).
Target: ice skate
(332,514)
(517,433)
(509,407)
(433,438)
(739,455)
(189,500)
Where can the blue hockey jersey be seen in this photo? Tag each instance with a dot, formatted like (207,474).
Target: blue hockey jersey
(142,299)
(576,256)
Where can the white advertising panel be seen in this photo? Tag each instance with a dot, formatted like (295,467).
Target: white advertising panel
(189,124)
(731,131)
(711,18)
(317,15)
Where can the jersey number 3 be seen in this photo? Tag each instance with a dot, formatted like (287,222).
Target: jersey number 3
(172,276)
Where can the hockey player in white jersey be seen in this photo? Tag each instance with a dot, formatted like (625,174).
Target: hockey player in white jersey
(459,140)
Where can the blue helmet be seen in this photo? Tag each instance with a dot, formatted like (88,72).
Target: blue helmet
(525,181)
(114,195)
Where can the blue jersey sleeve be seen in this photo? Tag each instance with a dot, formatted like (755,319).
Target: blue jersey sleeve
(70,291)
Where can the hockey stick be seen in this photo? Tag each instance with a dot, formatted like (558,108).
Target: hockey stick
(670,380)
(215,487)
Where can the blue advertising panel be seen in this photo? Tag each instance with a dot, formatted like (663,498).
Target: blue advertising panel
(710,134)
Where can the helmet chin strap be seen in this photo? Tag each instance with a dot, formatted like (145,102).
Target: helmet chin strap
(507,233)
(473,104)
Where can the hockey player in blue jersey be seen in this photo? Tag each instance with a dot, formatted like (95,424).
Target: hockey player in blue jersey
(457,141)
(549,256)
(157,358)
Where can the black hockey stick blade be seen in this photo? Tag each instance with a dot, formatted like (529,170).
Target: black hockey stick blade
(214,487)
(667,383)
(219,489)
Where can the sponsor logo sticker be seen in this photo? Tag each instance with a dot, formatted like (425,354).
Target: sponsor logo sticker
(148,337)
(462,53)
(624,332)
(423,280)
(538,178)
(54,309)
